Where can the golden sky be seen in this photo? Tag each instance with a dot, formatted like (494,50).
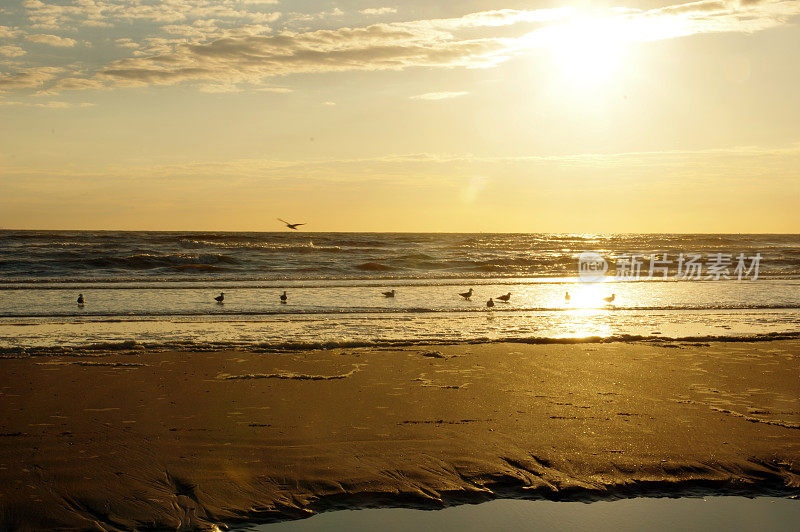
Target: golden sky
(582,116)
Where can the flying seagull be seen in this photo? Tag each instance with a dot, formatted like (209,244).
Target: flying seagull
(490,303)
(466,295)
(504,298)
(390,293)
(220,298)
(609,299)
(80,299)
(290,226)
(284,297)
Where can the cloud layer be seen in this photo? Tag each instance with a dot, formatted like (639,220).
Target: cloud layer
(222,44)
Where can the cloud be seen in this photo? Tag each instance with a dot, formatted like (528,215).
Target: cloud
(28,78)
(51,40)
(713,16)
(217,88)
(11,51)
(44,105)
(249,59)
(204,50)
(7,32)
(75,83)
(378,11)
(126,43)
(277,90)
(750,163)
(438,95)
(105,12)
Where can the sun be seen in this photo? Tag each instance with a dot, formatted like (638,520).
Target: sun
(586,52)
(587,49)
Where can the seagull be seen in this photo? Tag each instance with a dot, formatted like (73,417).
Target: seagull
(80,299)
(505,298)
(290,226)
(220,298)
(389,293)
(490,303)
(567,297)
(609,299)
(466,295)
(284,297)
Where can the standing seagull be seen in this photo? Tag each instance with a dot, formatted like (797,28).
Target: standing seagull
(490,303)
(220,298)
(290,226)
(80,299)
(505,298)
(609,299)
(390,293)
(466,295)
(567,298)
(284,297)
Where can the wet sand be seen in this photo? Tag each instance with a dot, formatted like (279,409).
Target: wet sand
(191,439)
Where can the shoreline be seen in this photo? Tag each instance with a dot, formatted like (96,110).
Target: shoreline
(133,346)
(200,438)
(656,515)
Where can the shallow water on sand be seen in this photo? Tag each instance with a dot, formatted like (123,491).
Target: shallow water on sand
(332,312)
(709,514)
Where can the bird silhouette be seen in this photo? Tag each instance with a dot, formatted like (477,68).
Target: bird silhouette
(80,299)
(466,295)
(284,297)
(490,303)
(567,297)
(390,293)
(220,298)
(610,299)
(290,226)
(504,298)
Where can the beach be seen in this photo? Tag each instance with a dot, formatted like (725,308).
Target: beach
(95,439)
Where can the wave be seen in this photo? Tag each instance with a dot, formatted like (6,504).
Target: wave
(374,267)
(77,256)
(282,346)
(83,315)
(266,247)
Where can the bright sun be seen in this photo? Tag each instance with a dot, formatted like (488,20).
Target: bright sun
(586,52)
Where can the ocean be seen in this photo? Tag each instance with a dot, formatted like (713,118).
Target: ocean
(157,289)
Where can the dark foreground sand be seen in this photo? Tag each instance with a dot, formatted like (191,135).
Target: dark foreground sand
(189,439)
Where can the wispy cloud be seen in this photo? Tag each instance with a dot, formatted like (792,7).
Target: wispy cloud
(51,40)
(44,105)
(396,46)
(277,90)
(106,12)
(28,78)
(438,95)
(378,11)
(751,163)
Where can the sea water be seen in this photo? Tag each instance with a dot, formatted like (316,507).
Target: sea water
(158,288)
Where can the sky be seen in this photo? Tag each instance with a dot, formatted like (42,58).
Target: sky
(517,116)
